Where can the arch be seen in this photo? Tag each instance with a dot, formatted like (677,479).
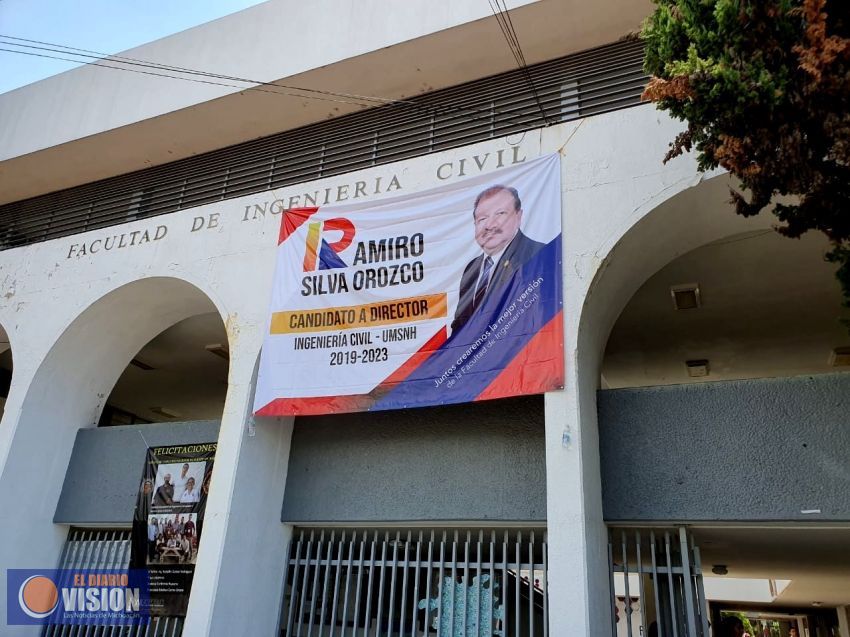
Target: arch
(675,226)
(67,392)
(766,307)
(180,375)
(6,368)
(754,326)
(100,342)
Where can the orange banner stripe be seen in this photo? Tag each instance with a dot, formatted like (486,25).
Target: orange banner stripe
(408,310)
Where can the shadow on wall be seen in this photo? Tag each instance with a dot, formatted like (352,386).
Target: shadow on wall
(477,461)
(180,375)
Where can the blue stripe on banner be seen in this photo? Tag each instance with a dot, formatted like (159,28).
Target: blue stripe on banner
(476,354)
(328,259)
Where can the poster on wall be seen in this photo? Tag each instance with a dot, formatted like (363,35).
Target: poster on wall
(168,521)
(448,295)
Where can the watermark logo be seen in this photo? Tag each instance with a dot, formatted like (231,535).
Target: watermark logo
(322,255)
(38,596)
(77,597)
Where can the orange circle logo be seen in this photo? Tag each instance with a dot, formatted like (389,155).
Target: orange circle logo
(38,596)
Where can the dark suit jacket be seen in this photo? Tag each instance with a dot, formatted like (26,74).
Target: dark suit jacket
(164,495)
(518,252)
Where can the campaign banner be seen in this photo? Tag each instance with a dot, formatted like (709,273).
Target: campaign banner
(168,522)
(444,296)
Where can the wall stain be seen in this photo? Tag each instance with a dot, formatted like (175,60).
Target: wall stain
(231,325)
(10,288)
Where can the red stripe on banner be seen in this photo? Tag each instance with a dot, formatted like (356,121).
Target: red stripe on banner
(292,220)
(315,406)
(422,354)
(525,377)
(345,227)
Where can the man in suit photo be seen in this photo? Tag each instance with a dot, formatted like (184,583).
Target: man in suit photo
(497,216)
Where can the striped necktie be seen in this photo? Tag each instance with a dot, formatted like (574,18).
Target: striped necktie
(483,282)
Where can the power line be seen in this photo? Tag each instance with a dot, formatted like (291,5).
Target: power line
(174,77)
(426,108)
(99,55)
(509,21)
(506,25)
(506,18)
(135,65)
(345,98)
(497,13)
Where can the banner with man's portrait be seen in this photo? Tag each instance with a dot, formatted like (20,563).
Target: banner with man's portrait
(444,296)
(168,521)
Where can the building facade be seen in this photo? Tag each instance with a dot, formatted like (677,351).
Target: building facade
(705,408)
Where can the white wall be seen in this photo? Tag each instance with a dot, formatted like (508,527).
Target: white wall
(612,179)
(272,40)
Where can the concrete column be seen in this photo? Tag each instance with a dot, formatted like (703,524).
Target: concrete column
(578,563)
(843,621)
(579,596)
(605,196)
(238,584)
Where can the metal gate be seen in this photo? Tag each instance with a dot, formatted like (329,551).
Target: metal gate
(106,549)
(657,574)
(415,582)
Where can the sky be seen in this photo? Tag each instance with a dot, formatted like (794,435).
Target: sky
(108,26)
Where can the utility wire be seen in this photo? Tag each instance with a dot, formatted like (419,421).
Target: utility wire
(345,98)
(506,25)
(497,13)
(175,77)
(509,21)
(523,63)
(207,79)
(70,50)
(151,69)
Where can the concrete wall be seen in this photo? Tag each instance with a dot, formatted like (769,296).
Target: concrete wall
(76,314)
(88,100)
(102,480)
(750,450)
(481,461)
